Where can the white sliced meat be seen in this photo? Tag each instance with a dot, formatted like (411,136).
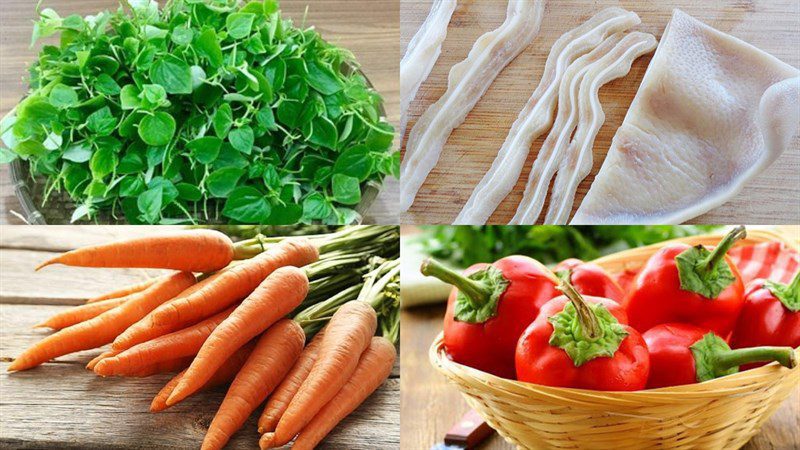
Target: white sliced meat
(467,82)
(422,53)
(712,112)
(577,162)
(537,115)
(554,147)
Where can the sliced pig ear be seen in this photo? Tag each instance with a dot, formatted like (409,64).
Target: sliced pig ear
(779,117)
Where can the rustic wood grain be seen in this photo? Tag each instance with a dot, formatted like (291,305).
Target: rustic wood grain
(370,28)
(61,238)
(771,25)
(429,405)
(58,284)
(62,405)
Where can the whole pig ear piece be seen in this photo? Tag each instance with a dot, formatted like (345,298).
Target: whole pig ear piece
(778,118)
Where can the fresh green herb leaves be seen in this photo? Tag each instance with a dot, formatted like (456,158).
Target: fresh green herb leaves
(157,129)
(239,24)
(202,111)
(173,74)
(63,96)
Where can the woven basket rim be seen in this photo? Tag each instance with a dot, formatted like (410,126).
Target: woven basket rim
(708,389)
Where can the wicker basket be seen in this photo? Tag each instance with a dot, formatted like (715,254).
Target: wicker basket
(719,414)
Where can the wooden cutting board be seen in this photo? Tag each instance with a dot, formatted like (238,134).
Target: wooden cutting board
(772,25)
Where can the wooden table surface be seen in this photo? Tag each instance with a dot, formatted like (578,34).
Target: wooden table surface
(429,406)
(771,25)
(370,28)
(62,405)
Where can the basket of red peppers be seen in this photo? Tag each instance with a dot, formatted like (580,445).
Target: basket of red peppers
(684,354)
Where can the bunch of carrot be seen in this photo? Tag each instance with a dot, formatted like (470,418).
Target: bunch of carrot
(233,324)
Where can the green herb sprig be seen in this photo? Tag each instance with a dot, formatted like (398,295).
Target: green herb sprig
(203,110)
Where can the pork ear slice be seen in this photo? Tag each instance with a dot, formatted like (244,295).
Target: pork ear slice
(577,162)
(466,84)
(545,164)
(712,112)
(422,53)
(537,115)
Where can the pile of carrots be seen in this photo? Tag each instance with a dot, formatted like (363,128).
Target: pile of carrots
(244,320)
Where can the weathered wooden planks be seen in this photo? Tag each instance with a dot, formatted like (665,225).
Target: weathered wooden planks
(768,24)
(58,284)
(63,238)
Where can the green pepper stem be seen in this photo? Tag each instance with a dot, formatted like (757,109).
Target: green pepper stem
(590,326)
(728,359)
(722,248)
(477,293)
(795,283)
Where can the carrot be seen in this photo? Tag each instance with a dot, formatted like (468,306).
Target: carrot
(124,292)
(184,342)
(347,335)
(273,356)
(275,297)
(279,400)
(98,358)
(222,376)
(80,313)
(373,369)
(235,283)
(104,328)
(145,330)
(185,250)
(170,365)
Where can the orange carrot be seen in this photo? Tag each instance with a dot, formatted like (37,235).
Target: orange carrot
(347,335)
(104,328)
(185,250)
(373,369)
(273,356)
(223,375)
(184,342)
(145,330)
(170,365)
(80,313)
(235,283)
(279,400)
(127,290)
(275,297)
(98,358)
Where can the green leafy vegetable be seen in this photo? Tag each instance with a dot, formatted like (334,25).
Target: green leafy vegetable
(205,110)
(173,74)
(157,129)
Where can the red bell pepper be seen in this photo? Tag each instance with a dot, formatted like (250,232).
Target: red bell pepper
(685,354)
(582,342)
(589,279)
(490,307)
(770,316)
(687,284)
